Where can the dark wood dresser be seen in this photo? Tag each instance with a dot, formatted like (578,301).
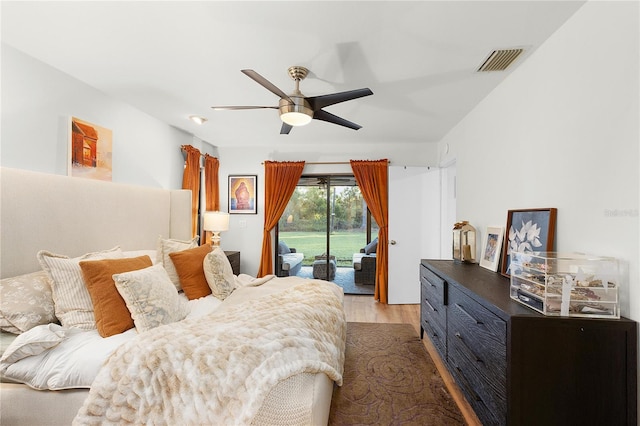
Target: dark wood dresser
(518,367)
(234,260)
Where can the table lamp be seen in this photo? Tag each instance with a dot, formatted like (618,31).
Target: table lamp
(216,222)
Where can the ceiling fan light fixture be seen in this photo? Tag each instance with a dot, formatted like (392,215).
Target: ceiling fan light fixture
(295,118)
(295,114)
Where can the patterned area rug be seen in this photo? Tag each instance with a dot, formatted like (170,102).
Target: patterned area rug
(390,379)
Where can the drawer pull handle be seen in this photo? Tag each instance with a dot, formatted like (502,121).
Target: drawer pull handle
(477,358)
(429,305)
(468,314)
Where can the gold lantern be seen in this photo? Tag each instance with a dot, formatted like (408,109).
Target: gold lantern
(464,242)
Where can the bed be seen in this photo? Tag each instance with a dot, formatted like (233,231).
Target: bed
(254,351)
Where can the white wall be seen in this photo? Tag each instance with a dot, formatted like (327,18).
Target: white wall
(562,131)
(38,100)
(37,103)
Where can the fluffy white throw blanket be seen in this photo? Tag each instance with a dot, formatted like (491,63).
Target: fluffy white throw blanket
(218,369)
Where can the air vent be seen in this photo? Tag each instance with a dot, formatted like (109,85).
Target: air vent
(499,60)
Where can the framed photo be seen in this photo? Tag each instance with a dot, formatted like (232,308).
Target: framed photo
(243,194)
(528,230)
(90,150)
(491,248)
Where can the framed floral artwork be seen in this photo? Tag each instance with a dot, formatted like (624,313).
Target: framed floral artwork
(528,230)
(243,194)
(491,248)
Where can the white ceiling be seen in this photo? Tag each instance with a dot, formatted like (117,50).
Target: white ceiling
(172,59)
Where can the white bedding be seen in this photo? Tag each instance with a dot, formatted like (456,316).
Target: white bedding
(219,369)
(75,361)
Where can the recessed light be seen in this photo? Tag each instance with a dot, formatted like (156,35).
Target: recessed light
(197,119)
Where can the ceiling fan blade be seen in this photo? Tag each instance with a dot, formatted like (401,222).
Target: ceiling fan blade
(266,84)
(285,129)
(318,102)
(227,108)
(331,118)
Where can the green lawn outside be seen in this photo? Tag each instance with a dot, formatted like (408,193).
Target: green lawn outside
(343,244)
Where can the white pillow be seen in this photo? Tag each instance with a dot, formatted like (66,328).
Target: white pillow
(219,274)
(151,297)
(25,302)
(41,338)
(73,363)
(164,247)
(72,301)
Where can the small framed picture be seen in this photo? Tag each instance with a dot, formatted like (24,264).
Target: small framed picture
(528,230)
(491,247)
(243,194)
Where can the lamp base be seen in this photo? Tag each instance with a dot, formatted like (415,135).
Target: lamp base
(215,238)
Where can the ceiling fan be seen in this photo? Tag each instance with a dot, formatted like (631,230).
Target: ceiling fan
(296,109)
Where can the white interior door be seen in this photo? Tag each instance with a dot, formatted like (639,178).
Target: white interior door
(414,228)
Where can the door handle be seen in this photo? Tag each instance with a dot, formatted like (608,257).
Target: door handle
(392,242)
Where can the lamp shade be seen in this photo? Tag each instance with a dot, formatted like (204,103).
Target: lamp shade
(216,221)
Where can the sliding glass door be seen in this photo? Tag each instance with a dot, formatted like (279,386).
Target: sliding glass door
(326,222)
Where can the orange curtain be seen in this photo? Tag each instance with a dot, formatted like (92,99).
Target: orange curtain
(280,180)
(191,180)
(372,178)
(211,190)
(211,183)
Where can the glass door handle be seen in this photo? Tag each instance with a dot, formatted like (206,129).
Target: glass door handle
(392,242)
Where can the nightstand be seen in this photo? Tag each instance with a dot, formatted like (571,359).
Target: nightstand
(234,260)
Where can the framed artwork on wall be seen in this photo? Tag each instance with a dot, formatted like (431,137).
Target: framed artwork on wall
(243,194)
(491,248)
(90,150)
(528,230)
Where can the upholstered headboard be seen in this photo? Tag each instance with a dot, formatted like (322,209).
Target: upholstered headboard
(73,216)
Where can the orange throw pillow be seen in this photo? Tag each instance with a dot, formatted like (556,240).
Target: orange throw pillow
(109,308)
(188,265)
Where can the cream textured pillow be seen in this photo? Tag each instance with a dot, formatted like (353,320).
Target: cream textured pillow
(73,304)
(25,302)
(151,297)
(109,309)
(164,247)
(219,275)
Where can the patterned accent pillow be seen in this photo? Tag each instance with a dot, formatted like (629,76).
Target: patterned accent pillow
(71,298)
(25,302)
(219,274)
(164,247)
(151,297)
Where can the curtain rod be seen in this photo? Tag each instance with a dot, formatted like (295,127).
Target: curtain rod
(326,162)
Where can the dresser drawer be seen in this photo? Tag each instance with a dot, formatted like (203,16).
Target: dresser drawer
(433,286)
(432,307)
(479,335)
(486,396)
(476,319)
(436,333)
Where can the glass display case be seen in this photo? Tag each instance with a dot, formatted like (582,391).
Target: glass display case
(573,284)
